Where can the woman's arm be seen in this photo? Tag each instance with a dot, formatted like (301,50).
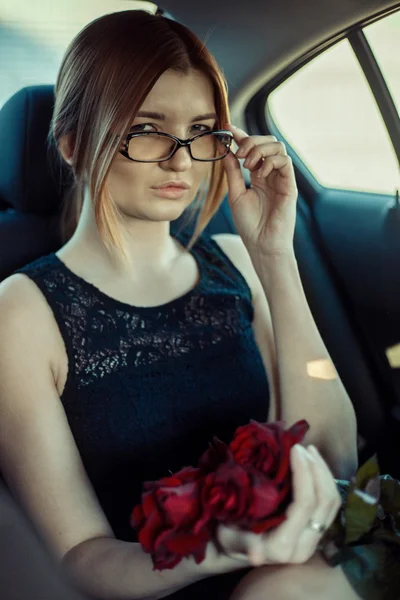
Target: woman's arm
(105,568)
(43,468)
(305,382)
(310,387)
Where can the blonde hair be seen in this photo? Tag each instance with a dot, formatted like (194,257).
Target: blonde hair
(106,73)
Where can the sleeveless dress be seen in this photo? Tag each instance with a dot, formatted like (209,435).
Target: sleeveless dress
(149,387)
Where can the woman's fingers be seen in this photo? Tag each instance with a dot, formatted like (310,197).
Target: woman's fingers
(283,163)
(326,486)
(262,159)
(316,501)
(245,142)
(236,543)
(327,493)
(282,541)
(262,151)
(327,504)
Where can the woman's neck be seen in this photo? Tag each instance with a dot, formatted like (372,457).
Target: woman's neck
(148,247)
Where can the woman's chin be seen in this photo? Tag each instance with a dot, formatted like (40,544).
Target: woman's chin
(168,210)
(157,210)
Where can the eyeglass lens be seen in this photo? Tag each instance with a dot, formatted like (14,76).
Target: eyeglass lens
(155,147)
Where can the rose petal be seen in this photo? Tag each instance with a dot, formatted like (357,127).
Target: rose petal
(185,543)
(149,504)
(217,453)
(137,517)
(265,500)
(298,431)
(183,505)
(284,464)
(150,531)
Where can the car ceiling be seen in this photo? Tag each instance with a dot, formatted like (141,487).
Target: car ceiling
(269,36)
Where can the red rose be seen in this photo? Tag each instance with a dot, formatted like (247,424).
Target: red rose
(233,493)
(166,519)
(265,447)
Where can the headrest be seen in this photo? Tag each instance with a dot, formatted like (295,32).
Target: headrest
(31,179)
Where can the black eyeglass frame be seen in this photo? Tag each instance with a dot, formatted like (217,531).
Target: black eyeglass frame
(178,144)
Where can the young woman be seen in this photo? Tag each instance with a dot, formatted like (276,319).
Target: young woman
(124,353)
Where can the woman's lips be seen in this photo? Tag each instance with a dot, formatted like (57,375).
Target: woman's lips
(170,191)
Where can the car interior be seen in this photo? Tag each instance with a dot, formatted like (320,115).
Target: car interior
(323,77)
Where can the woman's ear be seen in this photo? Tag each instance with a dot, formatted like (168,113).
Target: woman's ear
(66,146)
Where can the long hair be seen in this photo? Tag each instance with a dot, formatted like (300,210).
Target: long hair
(105,75)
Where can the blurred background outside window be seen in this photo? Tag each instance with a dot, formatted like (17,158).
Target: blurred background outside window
(327,113)
(35,35)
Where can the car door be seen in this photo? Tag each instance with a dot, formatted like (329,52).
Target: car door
(337,110)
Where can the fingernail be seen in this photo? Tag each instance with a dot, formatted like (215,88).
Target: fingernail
(303,453)
(309,454)
(298,448)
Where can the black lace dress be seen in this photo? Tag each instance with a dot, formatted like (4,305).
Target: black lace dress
(149,387)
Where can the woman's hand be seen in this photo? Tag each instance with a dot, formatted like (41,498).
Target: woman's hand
(265,214)
(316,500)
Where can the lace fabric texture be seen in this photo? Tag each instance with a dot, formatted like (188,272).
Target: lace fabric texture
(149,387)
(105,340)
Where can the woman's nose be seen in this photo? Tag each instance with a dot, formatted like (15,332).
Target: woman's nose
(180,161)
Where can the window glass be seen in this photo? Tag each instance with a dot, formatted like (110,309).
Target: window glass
(383,37)
(327,113)
(35,35)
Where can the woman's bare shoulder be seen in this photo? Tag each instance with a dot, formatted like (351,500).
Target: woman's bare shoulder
(26,320)
(14,288)
(22,305)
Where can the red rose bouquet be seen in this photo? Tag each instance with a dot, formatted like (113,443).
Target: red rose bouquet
(248,483)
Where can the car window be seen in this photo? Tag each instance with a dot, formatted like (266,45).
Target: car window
(383,37)
(326,111)
(35,35)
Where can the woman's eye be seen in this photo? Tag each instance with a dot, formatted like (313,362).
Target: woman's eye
(143,127)
(201,128)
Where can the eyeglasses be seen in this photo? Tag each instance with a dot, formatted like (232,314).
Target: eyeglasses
(153,146)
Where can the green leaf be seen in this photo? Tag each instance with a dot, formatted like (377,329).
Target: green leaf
(361,507)
(368,471)
(359,517)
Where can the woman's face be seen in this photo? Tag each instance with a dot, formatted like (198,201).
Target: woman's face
(182,105)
